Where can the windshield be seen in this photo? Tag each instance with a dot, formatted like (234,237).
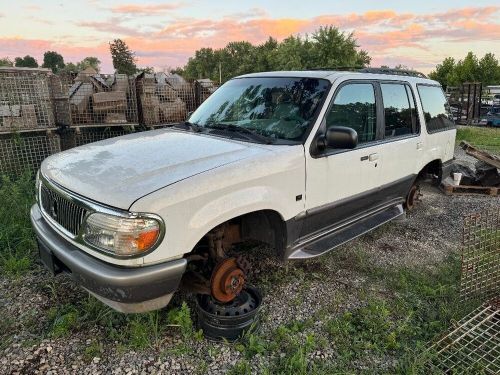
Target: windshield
(277,108)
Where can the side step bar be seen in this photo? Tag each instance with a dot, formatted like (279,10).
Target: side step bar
(344,234)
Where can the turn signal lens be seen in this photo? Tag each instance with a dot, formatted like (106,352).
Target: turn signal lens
(121,236)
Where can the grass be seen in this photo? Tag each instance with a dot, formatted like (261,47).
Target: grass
(393,329)
(17,243)
(387,333)
(486,138)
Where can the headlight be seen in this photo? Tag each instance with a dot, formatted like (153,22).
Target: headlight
(120,235)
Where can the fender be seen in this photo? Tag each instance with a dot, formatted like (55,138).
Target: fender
(192,207)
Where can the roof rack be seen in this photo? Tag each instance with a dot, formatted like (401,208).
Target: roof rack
(393,71)
(398,72)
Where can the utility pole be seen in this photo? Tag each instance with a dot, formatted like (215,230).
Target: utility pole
(220,73)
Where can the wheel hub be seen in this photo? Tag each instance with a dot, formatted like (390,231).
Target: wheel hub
(227,280)
(413,197)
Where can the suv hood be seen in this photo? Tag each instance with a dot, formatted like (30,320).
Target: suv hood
(118,171)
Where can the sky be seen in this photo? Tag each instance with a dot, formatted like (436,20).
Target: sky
(418,34)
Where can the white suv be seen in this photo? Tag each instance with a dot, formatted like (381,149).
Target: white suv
(303,161)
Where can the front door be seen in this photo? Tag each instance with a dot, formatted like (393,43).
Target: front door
(338,180)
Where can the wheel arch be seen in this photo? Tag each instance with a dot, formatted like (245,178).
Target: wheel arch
(264,225)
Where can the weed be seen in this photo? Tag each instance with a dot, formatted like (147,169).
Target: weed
(181,317)
(95,349)
(241,367)
(17,241)
(64,320)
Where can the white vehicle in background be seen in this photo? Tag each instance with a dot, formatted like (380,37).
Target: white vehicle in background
(304,161)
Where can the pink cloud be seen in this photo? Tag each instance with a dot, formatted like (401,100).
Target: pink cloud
(383,33)
(144,9)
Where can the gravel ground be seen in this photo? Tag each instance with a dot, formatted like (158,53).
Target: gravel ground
(325,286)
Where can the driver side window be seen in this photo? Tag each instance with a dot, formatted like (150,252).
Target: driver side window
(354,107)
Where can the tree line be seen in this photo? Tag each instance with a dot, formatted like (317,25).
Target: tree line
(327,47)
(471,69)
(124,61)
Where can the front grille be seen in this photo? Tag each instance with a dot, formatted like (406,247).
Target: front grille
(63,211)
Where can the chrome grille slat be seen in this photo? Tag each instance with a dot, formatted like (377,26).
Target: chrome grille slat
(62,210)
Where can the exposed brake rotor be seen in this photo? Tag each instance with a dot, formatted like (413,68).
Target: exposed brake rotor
(227,280)
(413,197)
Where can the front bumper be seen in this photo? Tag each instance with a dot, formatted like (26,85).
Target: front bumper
(126,289)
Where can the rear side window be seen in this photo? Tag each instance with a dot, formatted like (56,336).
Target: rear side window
(354,107)
(398,110)
(436,110)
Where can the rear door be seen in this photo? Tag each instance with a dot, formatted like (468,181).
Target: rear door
(402,144)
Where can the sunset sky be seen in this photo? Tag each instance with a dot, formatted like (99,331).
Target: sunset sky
(418,34)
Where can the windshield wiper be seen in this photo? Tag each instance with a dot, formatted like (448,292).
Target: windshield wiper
(189,125)
(250,133)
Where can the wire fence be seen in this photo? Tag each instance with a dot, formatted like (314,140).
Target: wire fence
(26,151)
(166,99)
(472,346)
(92,99)
(480,278)
(25,100)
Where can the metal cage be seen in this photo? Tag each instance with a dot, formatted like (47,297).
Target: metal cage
(26,151)
(92,99)
(164,98)
(25,99)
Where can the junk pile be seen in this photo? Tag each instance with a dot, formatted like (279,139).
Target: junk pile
(481,178)
(163,98)
(25,101)
(101,99)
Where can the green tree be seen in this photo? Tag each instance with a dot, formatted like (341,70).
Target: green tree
(53,60)
(489,70)
(444,72)
(327,47)
(123,58)
(26,62)
(6,62)
(470,69)
(333,48)
(467,70)
(89,62)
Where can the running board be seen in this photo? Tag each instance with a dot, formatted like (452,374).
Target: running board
(344,234)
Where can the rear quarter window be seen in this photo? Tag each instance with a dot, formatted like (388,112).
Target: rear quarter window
(436,110)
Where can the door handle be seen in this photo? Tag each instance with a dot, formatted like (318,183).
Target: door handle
(373,157)
(420,146)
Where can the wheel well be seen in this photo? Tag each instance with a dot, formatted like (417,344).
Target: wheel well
(432,170)
(265,226)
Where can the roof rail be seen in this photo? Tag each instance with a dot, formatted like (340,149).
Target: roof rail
(393,71)
(398,72)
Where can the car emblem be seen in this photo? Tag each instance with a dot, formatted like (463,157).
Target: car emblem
(53,209)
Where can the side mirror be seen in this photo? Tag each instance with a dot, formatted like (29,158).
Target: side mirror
(341,137)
